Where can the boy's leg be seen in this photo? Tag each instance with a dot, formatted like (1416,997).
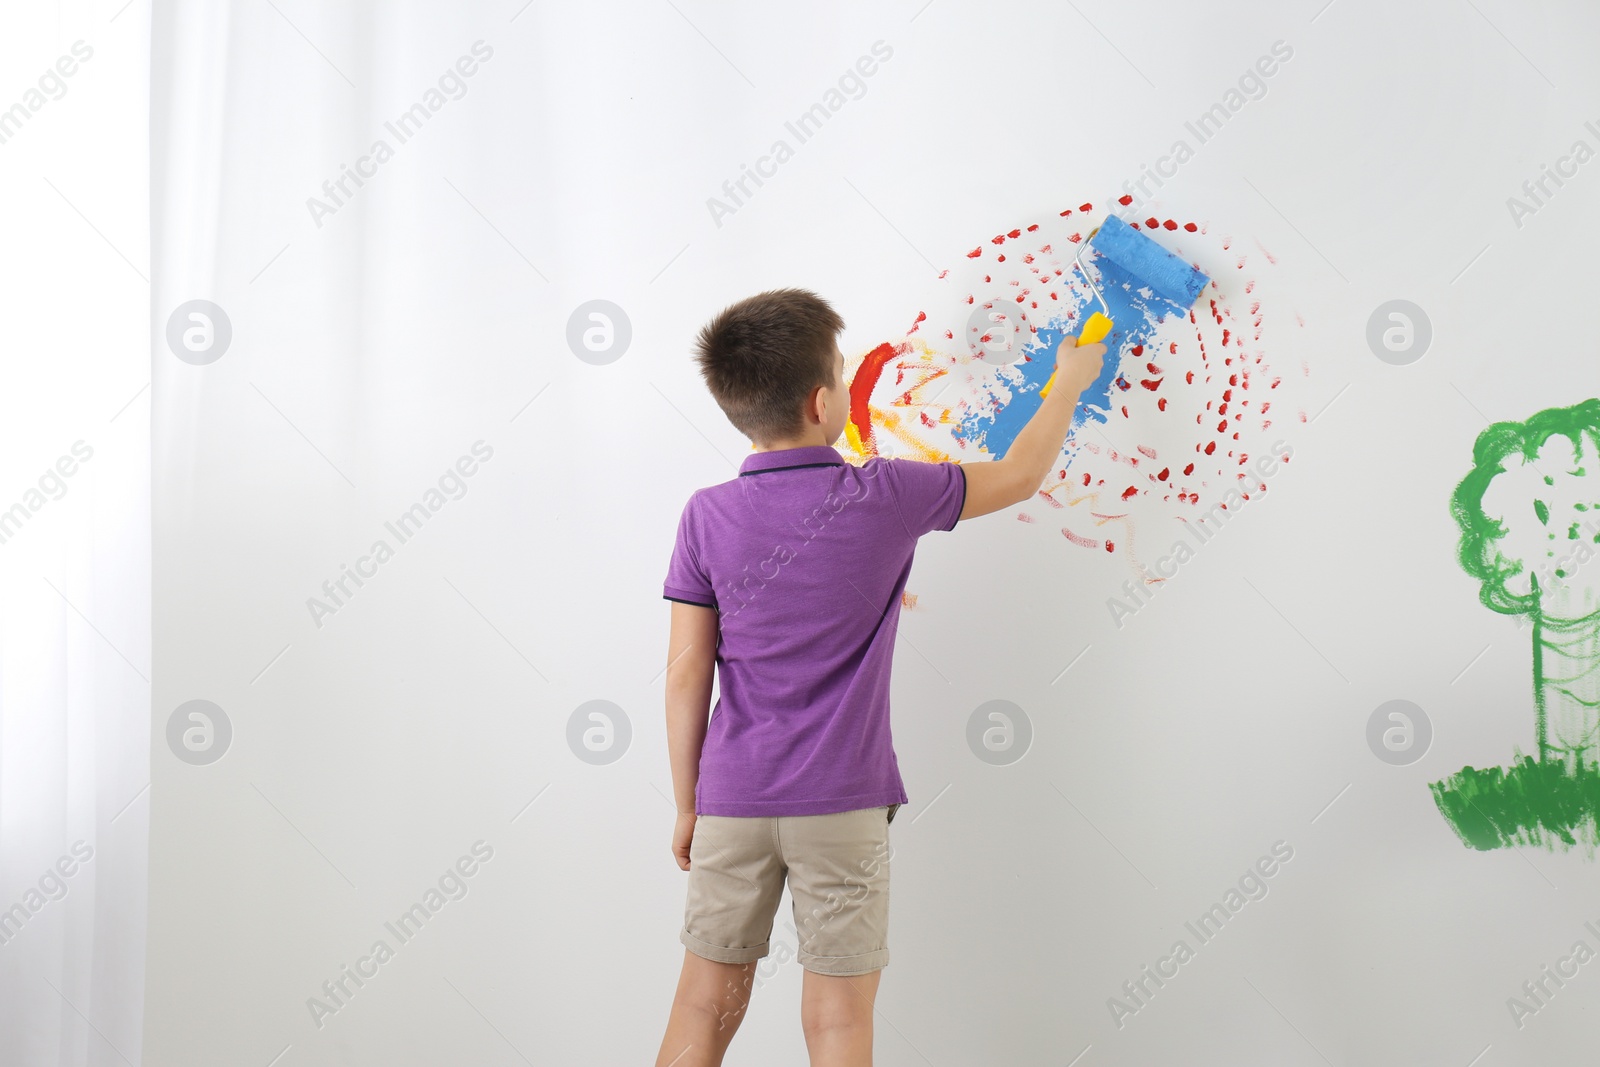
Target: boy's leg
(836,1014)
(735,880)
(706,1011)
(839,878)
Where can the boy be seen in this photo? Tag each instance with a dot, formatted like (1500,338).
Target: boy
(786,581)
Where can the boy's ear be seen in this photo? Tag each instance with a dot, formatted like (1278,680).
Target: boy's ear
(814,403)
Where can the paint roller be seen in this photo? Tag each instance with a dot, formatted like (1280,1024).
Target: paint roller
(1146,262)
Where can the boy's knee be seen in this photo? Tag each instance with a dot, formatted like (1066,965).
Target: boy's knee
(837,1017)
(720,1012)
(834,1004)
(719,990)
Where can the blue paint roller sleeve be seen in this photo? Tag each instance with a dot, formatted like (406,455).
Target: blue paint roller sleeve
(1148,265)
(1167,276)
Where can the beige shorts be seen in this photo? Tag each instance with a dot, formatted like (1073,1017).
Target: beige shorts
(837,867)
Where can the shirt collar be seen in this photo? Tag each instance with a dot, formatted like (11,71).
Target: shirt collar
(782,458)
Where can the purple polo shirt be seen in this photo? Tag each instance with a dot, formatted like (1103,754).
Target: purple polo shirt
(805,557)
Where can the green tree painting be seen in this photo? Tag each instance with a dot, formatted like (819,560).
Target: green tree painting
(1529,514)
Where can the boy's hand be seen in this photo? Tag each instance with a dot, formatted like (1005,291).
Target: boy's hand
(1079,366)
(682,835)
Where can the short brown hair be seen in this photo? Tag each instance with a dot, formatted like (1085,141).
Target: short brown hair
(762,356)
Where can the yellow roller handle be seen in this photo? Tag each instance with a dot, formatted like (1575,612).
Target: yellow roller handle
(1094,331)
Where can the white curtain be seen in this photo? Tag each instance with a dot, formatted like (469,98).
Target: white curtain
(75,635)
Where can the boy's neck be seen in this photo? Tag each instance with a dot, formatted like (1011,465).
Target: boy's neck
(778,446)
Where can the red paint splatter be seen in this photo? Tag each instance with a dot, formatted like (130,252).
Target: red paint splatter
(1154,381)
(1082,542)
(1124,200)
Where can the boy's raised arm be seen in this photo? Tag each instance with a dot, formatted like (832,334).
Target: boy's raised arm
(1018,475)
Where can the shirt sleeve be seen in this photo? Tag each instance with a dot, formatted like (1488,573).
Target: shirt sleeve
(929,496)
(686,577)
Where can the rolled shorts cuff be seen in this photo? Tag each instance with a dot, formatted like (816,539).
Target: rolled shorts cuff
(846,966)
(719,954)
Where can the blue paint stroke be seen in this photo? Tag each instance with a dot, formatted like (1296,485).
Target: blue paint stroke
(1137,313)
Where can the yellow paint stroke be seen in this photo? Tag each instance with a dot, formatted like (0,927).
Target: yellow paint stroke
(852,437)
(891,421)
(912,400)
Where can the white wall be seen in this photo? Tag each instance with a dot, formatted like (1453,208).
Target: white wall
(429,712)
